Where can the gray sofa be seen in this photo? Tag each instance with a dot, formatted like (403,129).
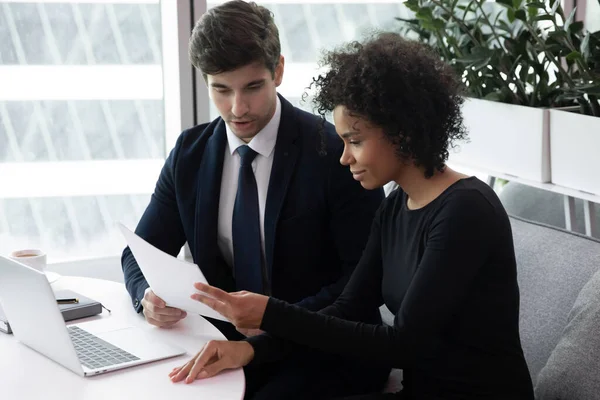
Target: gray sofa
(553,267)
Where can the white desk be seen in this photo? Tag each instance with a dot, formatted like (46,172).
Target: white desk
(25,374)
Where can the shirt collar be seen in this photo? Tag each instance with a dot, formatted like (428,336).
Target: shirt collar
(264,141)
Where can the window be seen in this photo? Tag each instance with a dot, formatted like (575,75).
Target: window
(85,120)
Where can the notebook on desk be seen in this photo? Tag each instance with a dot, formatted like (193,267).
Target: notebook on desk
(85,307)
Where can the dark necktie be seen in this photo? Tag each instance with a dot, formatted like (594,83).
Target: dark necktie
(247,253)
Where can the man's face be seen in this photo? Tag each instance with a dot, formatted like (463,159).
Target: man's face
(246,97)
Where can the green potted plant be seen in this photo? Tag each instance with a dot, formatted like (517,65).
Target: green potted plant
(516,64)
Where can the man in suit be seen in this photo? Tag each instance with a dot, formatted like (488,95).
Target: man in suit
(263,202)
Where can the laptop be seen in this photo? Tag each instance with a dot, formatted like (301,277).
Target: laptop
(88,348)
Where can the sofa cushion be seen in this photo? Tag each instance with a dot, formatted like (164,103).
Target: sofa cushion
(542,206)
(553,266)
(572,371)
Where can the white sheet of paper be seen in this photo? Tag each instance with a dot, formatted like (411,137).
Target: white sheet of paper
(170,278)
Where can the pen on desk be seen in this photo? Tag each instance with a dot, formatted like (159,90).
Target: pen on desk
(68,301)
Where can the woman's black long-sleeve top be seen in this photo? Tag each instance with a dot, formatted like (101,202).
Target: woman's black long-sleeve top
(448,273)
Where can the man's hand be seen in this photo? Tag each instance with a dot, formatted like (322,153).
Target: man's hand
(157,313)
(215,356)
(244,309)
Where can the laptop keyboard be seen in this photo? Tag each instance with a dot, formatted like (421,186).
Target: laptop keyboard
(94,352)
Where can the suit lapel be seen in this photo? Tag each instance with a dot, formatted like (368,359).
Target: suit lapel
(207,202)
(286,154)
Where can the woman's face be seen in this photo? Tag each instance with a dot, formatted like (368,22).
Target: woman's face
(370,156)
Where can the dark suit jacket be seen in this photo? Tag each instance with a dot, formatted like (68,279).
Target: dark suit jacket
(317,218)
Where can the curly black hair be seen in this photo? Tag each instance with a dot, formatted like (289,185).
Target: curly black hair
(401,86)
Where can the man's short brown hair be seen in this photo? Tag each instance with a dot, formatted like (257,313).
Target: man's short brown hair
(233,35)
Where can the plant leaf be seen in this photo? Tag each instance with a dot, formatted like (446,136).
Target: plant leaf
(585,46)
(574,55)
(453,5)
(412,5)
(477,55)
(510,13)
(543,17)
(593,88)
(493,96)
(410,21)
(424,13)
(570,19)
(536,5)
(521,15)
(558,36)
(507,3)
(555,5)
(576,27)
(434,24)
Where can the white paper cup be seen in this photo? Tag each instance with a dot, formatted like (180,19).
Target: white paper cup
(33,258)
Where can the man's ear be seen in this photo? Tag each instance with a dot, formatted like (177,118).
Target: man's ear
(279,71)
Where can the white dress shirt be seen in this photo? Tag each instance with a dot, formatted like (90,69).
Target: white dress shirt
(264,144)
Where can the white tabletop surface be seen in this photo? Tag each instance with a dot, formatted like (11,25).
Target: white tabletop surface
(25,374)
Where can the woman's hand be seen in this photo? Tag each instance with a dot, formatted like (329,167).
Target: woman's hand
(215,356)
(244,309)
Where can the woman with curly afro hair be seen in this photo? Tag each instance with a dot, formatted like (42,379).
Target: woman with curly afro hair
(440,255)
